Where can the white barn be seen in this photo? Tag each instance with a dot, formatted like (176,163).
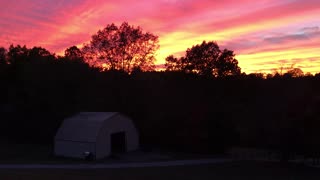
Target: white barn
(96,133)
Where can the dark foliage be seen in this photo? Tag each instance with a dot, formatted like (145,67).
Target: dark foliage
(122,48)
(205,59)
(177,110)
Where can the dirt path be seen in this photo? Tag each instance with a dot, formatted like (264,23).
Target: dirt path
(114,165)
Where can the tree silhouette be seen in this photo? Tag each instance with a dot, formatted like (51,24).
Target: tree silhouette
(255,75)
(289,71)
(3,56)
(73,53)
(17,54)
(294,72)
(21,54)
(226,64)
(206,59)
(122,48)
(173,63)
(39,54)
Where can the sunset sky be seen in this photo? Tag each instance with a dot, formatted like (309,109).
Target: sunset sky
(265,34)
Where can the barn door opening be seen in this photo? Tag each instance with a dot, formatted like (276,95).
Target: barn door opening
(118,142)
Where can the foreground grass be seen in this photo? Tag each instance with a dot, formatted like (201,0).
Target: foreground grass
(226,171)
(43,154)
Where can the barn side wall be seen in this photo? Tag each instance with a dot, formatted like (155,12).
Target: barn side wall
(103,144)
(73,149)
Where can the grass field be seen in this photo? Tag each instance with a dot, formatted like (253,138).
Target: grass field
(43,154)
(226,171)
(29,154)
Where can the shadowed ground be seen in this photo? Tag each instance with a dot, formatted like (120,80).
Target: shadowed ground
(235,170)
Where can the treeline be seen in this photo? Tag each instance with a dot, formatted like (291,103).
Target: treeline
(177,110)
(201,103)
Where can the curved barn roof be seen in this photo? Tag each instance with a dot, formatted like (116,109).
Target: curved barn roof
(83,127)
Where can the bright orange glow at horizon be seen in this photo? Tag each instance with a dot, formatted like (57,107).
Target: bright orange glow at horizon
(264,34)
